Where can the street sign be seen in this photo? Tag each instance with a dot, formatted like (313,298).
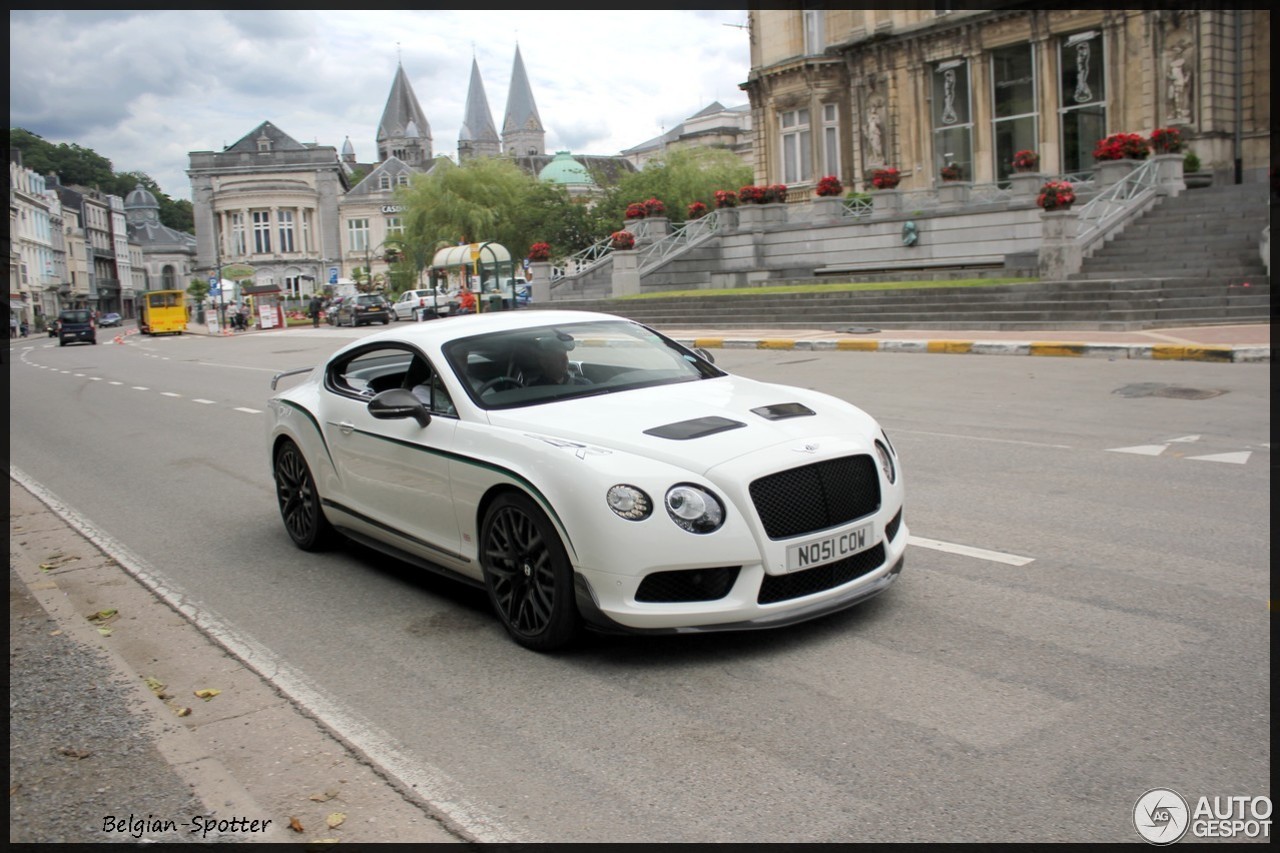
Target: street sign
(213,282)
(333,275)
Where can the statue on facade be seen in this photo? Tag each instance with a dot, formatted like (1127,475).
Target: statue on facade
(1178,92)
(875,131)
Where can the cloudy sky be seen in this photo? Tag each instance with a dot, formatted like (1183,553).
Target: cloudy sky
(144,88)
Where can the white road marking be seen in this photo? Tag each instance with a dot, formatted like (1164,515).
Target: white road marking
(970,551)
(248,411)
(1141,449)
(1184,439)
(1238,458)
(141,388)
(206,402)
(169,394)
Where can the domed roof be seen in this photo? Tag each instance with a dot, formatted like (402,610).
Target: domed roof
(565,170)
(140,197)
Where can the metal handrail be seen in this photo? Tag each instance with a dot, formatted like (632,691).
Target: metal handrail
(1115,204)
(691,232)
(582,261)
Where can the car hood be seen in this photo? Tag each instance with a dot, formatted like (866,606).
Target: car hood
(696,425)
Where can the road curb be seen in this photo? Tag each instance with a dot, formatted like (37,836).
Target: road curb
(1060,349)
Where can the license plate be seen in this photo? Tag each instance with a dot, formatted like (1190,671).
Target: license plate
(829,549)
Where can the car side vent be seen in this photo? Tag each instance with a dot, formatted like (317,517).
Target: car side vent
(696,428)
(782,411)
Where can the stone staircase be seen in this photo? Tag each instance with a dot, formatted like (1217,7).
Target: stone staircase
(1192,260)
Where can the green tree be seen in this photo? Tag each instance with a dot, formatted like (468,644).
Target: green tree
(679,179)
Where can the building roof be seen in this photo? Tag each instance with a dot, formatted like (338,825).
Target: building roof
(522,112)
(565,170)
(402,113)
(276,139)
(477,122)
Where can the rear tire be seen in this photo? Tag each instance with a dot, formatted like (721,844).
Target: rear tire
(527,574)
(299,501)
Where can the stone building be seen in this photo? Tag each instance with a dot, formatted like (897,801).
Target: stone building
(843,91)
(307,216)
(168,256)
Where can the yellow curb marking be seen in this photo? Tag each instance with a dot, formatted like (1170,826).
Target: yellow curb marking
(949,346)
(1056,348)
(776,343)
(858,346)
(708,343)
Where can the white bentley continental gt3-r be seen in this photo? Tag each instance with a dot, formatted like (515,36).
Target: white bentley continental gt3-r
(589,471)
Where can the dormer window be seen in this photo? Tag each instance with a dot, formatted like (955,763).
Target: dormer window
(264,144)
(384,182)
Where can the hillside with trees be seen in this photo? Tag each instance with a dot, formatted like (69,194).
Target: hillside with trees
(76,165)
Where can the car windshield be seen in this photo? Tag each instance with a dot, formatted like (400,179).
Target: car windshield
(74,317)
(543,364)
(369,300)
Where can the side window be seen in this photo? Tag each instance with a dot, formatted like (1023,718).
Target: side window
(425,384)
(369,371)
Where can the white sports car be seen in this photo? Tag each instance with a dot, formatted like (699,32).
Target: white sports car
(588,471)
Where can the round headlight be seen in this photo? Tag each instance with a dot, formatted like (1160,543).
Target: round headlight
(629,502)
(694,508)
(886,462)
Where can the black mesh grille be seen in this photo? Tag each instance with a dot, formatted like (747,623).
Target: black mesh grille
(818,496)
(891,529)
(797,584)
(688,584)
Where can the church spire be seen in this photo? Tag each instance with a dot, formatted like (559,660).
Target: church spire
(522,131)
(478,137)
(403,131)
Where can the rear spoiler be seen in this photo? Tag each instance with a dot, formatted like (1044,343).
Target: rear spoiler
(275,379)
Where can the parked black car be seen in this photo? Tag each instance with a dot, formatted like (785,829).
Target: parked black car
(365,308)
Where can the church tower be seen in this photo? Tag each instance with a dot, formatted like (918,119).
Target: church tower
(522,131)
(478,137)
(403,132)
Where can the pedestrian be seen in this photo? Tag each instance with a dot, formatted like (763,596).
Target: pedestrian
(314,309)
(25,327)
(466,301)
(13,324)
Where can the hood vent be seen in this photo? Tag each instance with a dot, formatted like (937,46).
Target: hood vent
(696,428)
(782,411)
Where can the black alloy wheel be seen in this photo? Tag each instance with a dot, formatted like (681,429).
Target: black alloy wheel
(527,574)
(300,502)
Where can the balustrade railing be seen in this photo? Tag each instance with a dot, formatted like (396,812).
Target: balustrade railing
(1118,202)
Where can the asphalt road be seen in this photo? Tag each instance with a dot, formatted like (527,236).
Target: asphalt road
(1084,614)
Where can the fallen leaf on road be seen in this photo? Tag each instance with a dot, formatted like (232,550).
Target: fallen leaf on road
(106,632)
(207,694)
(295,824)
(71,752)
(335,820)
(154,684)
(103,616)
(180,711)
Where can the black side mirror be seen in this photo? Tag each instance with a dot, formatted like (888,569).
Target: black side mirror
(397,403)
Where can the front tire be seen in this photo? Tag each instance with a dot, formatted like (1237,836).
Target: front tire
(527,574)
(300,501)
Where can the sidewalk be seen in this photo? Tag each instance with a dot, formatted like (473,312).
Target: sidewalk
(1242,343)
(111,739)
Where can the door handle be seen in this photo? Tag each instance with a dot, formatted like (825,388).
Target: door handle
(347,427)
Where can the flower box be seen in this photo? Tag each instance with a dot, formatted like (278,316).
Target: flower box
(886,178)
(829,186)
(1026,160)
(622,241)
(1056,195)
(540,252)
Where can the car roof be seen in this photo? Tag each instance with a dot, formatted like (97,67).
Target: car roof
(439,332)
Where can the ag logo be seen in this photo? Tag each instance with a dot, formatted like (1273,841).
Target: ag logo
(1161,816)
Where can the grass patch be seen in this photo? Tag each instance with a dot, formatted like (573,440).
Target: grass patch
(832,288)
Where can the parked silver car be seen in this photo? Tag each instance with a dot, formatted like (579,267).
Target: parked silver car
(424,304)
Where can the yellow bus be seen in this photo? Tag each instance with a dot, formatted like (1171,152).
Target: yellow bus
(162,312)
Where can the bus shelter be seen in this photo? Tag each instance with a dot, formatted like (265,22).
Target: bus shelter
(486,269)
